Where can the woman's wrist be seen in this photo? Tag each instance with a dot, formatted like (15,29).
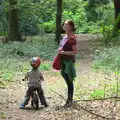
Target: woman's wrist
(66,52)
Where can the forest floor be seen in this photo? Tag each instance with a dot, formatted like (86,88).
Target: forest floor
(12,96)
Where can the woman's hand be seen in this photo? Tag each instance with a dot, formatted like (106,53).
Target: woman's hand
(66,52)
(74,52)
(61,52)
(60,49)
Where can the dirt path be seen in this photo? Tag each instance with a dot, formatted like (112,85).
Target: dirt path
(12,96)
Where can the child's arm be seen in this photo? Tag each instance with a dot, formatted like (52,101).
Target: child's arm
(41,77)
(25,78)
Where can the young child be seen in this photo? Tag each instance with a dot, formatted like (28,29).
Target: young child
(34,78)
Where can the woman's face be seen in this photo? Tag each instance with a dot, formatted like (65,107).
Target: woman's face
(66,26)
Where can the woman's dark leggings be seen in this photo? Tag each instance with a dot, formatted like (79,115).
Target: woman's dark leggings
(69,85)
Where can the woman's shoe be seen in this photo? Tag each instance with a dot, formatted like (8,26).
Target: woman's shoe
(68,104)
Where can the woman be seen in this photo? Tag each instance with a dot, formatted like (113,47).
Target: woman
(68,50)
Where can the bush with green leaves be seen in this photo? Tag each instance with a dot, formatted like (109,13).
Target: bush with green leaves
(35,16)
(3,18)
(108,59)
(49,27)
(97,94)
(15,56)
(38,46)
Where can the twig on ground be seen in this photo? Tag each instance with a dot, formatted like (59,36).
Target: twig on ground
(58,94)
(115,97)
(76,106)
(97,115)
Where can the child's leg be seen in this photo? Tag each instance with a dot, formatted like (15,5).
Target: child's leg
(27,97)
(26,100)
(42,97)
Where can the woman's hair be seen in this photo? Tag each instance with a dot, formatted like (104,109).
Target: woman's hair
(71,23)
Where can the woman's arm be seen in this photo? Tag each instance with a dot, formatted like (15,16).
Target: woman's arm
(74,52)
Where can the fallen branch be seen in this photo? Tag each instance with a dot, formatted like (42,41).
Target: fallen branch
(97,115)
(58,94)
(112,111)
(115,97)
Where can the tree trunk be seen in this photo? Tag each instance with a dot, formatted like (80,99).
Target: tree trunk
(58,21)
(13,22)
(117,13)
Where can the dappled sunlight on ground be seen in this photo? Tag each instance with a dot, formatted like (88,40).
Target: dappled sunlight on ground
(88,84)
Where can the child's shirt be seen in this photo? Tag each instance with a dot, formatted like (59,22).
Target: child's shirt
(34,78)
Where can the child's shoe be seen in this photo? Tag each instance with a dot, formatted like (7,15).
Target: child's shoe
(22,106)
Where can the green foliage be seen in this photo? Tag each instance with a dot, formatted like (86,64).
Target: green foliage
(48,27)
(97,94)
(108,59)
(3,18)
(45,67)
(6,76)
(35,15)
(15,56)
(36,47)
(29,20)
(40,16)
(2,115)
(92,6)
(106,24)
(2,84)
(90,16)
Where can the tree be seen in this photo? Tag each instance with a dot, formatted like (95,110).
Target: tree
(92,5)
(58,21)
(13,22)
(117,13)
